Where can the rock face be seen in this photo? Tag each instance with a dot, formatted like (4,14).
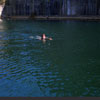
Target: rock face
(51,7)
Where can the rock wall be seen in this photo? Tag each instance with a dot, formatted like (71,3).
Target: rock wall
(51,7)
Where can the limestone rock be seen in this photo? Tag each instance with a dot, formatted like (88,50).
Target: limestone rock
(51,7)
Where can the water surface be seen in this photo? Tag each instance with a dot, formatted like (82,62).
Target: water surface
(67,66)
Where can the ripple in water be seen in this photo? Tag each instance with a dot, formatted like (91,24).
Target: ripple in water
(66,66)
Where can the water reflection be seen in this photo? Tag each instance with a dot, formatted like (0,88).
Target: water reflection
(66,66)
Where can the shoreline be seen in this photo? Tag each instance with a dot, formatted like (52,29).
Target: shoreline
(54,18)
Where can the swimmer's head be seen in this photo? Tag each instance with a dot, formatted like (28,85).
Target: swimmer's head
(43,36)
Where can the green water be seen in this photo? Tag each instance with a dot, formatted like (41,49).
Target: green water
(69,65)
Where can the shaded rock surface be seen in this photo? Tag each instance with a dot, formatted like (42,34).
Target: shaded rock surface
(51,8)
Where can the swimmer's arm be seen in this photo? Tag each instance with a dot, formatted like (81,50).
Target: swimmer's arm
(49,38)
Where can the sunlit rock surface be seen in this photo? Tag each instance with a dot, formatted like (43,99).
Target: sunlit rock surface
(51,7)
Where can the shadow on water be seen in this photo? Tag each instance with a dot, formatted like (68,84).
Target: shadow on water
(66,66)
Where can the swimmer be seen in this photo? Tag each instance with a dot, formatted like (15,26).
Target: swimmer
(44,37)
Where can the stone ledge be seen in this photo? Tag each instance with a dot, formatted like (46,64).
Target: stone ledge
(56,17)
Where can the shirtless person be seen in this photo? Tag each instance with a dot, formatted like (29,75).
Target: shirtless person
(44,37)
